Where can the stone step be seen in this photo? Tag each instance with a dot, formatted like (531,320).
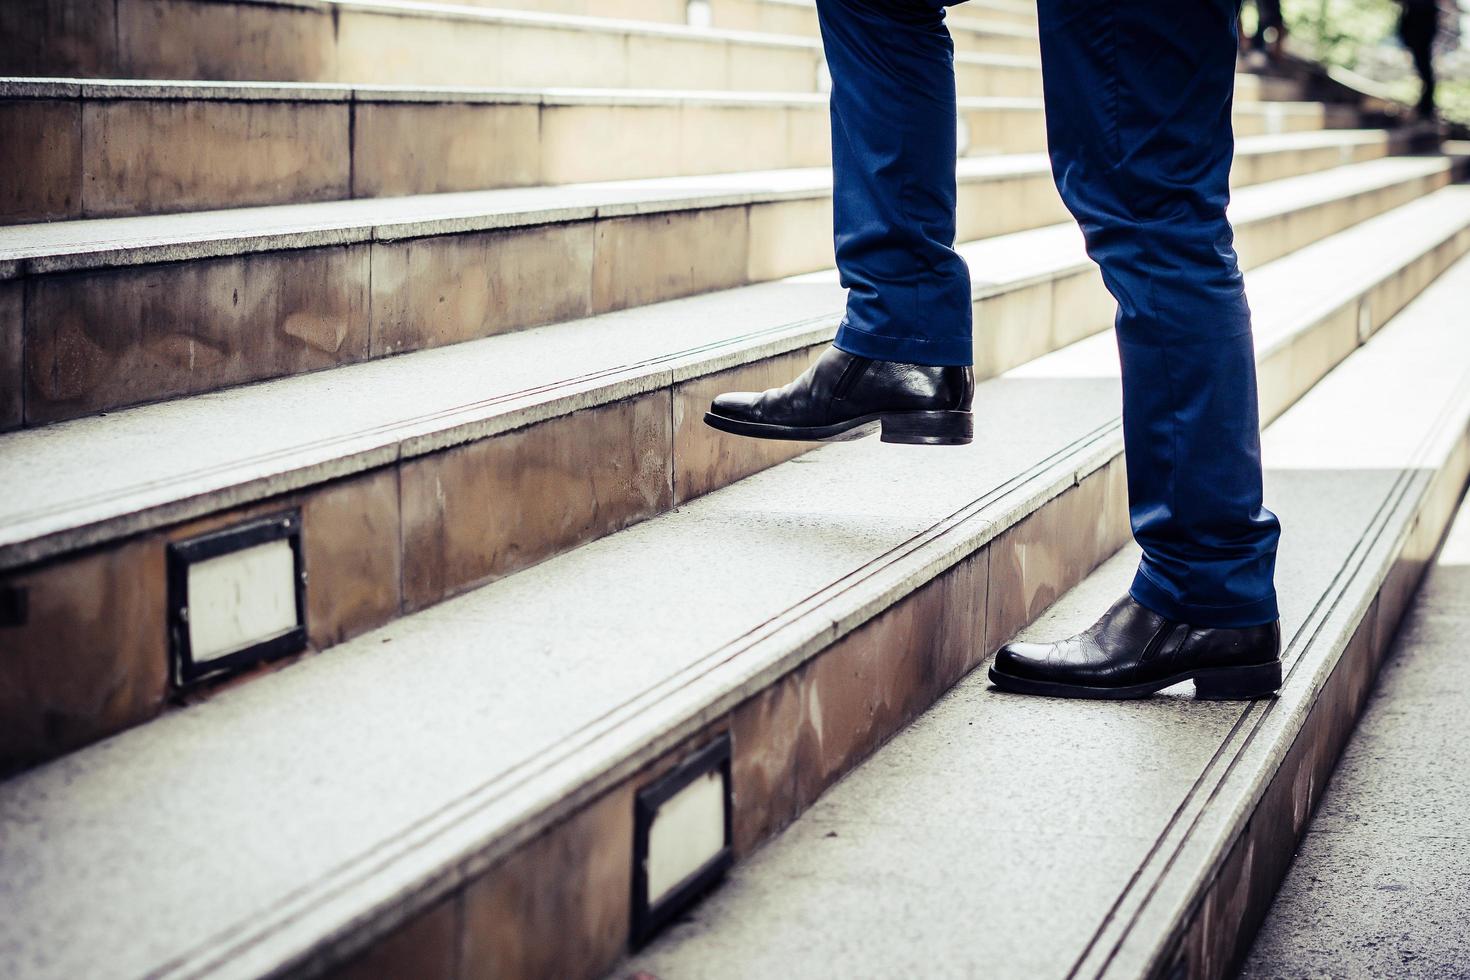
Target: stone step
(574,431)
(240,296)
(127,148)
(1378,885)
(976,17)
(489,750)
(391,42)
(988,30)
(997,28)
(1007,836)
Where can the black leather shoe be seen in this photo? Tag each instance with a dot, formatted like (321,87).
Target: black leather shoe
(1132,652)
(844,396)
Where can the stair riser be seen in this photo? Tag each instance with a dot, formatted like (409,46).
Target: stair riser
(111,157)
(103,339)
(114,157)
(1269,118)
(403,536)
(659,11)
(245,41)
(806,729)
(779,18)
(797,20)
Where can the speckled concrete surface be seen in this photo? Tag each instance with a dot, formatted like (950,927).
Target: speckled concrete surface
(1381,884)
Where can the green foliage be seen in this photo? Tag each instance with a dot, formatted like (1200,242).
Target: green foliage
(1336,30)
(1339,32)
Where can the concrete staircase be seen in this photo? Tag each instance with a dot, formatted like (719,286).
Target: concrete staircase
(422,368)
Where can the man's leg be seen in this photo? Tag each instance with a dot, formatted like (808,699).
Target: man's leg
(1138,100)
(893,162)
(903,350)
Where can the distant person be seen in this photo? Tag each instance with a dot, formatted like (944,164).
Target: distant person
(1270,32)
(1418,26)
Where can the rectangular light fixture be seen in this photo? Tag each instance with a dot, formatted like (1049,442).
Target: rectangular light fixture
(681,837)
(237,597)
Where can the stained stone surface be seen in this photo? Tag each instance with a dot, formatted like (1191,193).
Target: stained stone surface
(1381,883)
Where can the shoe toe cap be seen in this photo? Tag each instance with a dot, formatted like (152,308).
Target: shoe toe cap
(740,405)
(1023,659)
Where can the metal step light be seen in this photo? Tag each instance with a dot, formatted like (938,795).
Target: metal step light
(237,598)
(681,838)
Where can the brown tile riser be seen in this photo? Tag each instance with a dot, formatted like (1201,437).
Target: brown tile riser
(12,356)
(41,157)
(89,659)
(67,38)
(145,156)
(100,340)
(92,657)
(426,947)
(224,41)
(429,292)
(481,511)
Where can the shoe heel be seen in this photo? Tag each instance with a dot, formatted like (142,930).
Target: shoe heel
(929,428)
(1238,683)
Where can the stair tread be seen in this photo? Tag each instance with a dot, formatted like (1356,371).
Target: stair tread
(82,481)
(98,242)
(648,631)
(1021,804)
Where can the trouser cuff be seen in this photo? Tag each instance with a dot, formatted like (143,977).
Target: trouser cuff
(1257,613)
(939,352)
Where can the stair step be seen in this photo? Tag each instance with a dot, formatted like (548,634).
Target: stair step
(997,28)
(1011,836)
(390,42)
(973,24)
(238,296)
(572,431)
(207,145)
(488,748)
(1378,886)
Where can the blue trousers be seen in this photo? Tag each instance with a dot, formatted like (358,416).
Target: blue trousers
(1138,101)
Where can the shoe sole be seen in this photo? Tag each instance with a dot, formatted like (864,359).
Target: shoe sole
(1210,684)
(950,428)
